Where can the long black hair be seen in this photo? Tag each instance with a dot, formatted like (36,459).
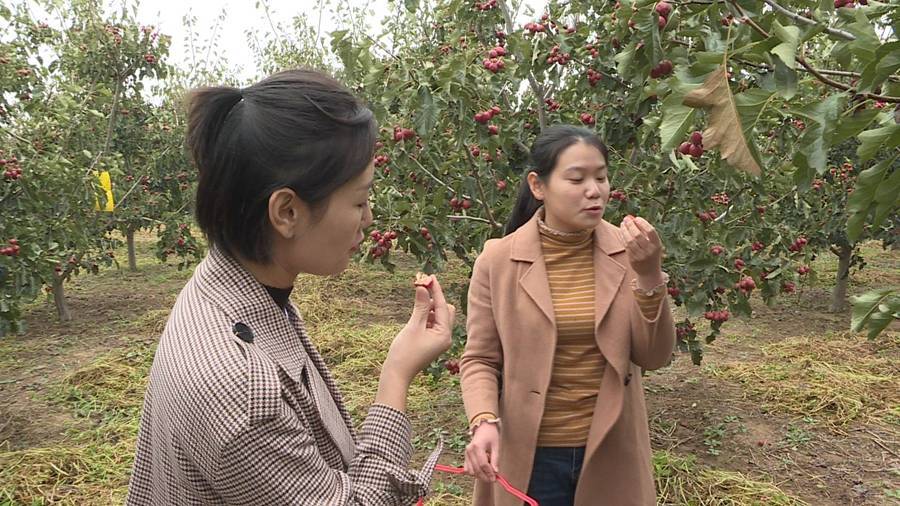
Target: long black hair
(297,129)
(544,154)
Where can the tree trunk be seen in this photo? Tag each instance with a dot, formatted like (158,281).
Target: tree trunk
(59,297)
(839,295)
(132,259)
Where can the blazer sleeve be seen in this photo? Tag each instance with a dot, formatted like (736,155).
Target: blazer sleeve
(482,360)
(276,462)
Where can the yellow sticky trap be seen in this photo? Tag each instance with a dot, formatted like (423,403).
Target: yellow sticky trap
(106,184)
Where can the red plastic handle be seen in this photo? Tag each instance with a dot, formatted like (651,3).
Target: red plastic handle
(518,494)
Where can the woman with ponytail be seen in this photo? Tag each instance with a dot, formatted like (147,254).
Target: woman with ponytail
(563,313)
(240,407)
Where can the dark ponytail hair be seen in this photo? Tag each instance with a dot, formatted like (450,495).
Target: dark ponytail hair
(297,129)
(544,154)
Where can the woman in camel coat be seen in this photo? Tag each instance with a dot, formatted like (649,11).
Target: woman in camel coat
(508,363)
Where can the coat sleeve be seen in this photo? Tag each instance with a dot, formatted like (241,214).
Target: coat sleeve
(652,338)
(277,462)
(482,360)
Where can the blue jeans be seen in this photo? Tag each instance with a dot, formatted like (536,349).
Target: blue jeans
(555,475)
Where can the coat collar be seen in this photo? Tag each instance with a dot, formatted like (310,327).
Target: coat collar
(244,299)
(526,241)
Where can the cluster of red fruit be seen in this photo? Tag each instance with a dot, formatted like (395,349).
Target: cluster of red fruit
(721,198)
(402,134)
(452,366)
(799,124)
(662,69)
(535,28)
(803,270)
(717,316)
(618,195)
(381,160)
(587,118)
(674,291)
(683,330)
(817,184)
(486,6)
(11,250)
(593,77)
(716,250)
(798,245)
(150,58)
(494,64)
(694,147)
(426,234)
(593,50)
(557,57)
(746,285)
(115,32)
(459,205)
(663,9)
(485,116)
(707,216)
(788,287)
(757,246)
(13,171)
(552,105)
(501,184)
(844,173)
(848,3)
(739,264)
(383,242)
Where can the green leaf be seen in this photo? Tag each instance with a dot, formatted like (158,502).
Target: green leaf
(853,124)
(411,5)
(877,309)
(872,182)
(785,80)
(426,117)
(790,40)
(887,61)
(875,140)
(677,120)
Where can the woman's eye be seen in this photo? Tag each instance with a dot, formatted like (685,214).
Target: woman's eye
(576,180)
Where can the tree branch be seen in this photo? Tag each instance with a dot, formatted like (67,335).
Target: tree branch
(811,69)
(802,19)
(532,82)
(484,201)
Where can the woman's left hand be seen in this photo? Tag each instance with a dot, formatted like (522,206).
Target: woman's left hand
(644,250)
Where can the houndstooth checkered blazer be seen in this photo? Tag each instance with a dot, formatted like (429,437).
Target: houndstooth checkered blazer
(227,421)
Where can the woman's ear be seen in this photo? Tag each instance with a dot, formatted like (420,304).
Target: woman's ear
(536,185)
(287,212)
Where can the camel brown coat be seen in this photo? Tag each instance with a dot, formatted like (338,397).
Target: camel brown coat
(509,356)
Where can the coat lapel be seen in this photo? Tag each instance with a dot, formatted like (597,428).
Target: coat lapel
(608,277)
(526,247)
